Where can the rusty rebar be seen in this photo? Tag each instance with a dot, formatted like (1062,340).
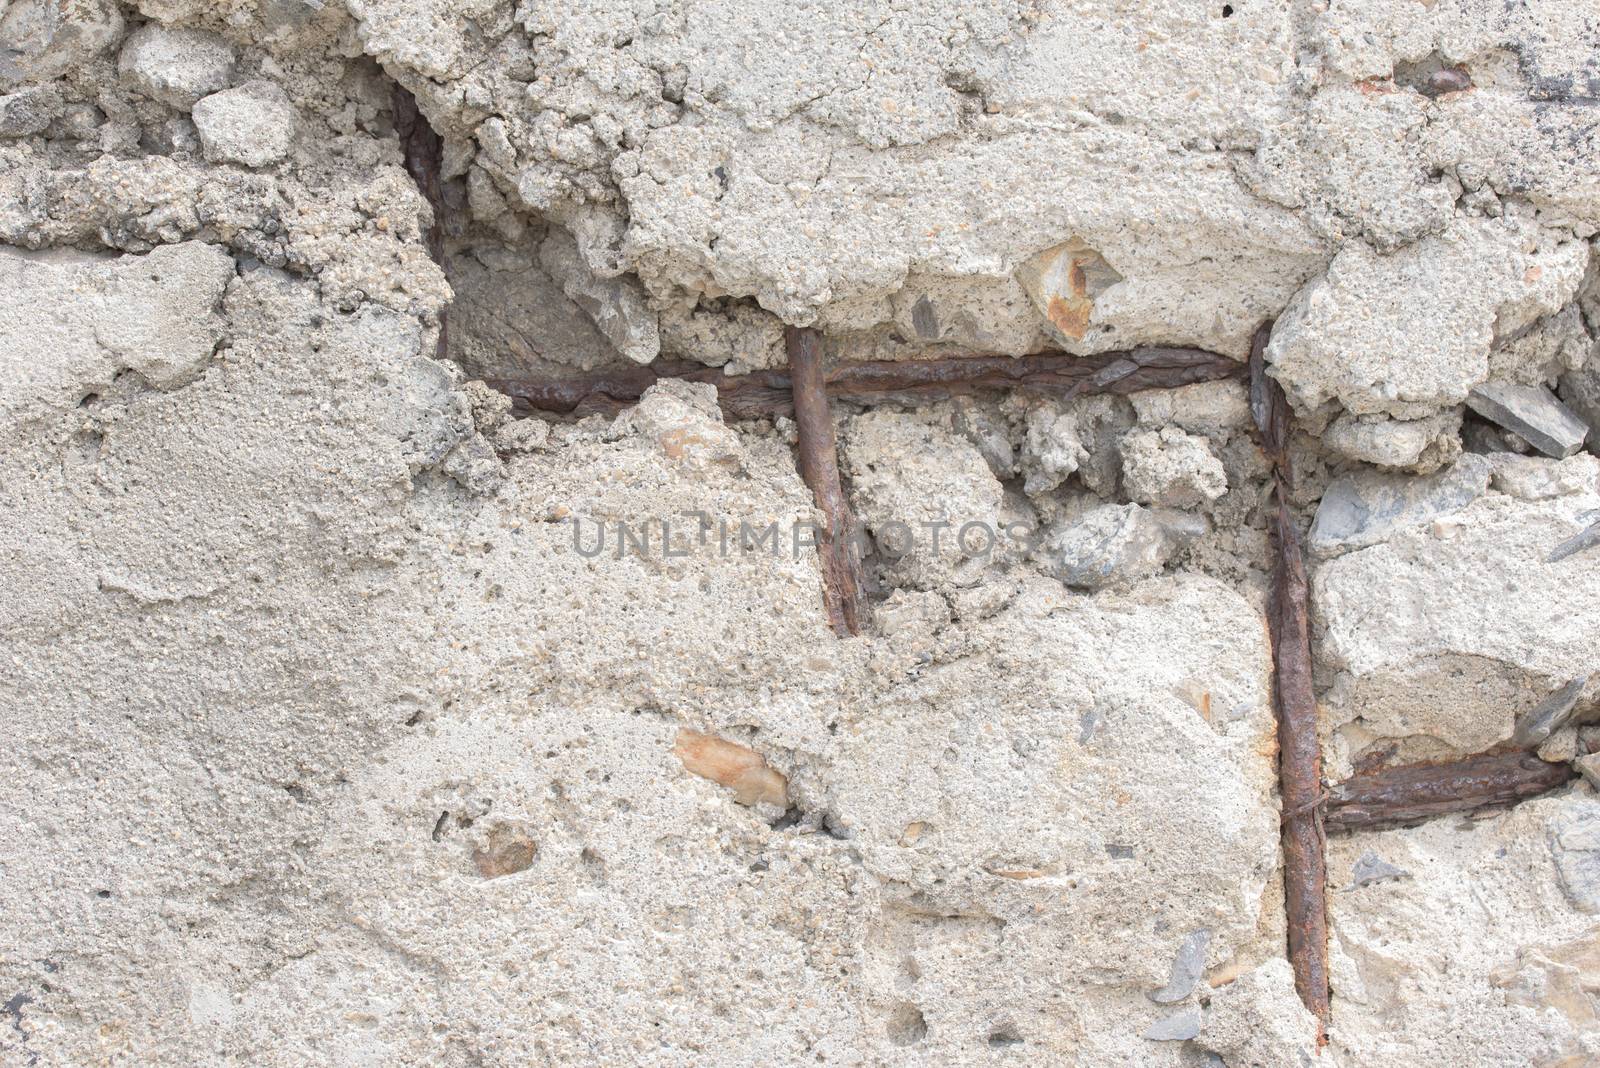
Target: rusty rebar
(837,547)
(1412,793)
(423,152)
(761,393)
(1305,875)
(422,149)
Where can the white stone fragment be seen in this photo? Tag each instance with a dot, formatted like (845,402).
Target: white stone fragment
(1112,545)
(176,66)
(252,125)
(685,423)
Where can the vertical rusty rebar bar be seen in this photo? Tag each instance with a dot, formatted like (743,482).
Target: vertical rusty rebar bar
(1305,875)
(837,549)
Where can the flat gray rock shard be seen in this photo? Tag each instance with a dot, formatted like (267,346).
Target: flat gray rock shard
(1187,968)
(1179,1027)
(1367,508)
(1533,413)
(1370,868)
(1587,538)
(1549,715)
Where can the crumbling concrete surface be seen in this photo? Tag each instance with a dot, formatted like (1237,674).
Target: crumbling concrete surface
(351,720)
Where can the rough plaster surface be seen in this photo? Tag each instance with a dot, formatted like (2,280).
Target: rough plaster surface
(345,714)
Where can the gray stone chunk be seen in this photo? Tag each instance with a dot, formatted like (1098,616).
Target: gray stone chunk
(176,67)
(1549,715)
(1114,544)
(1187,968)
(1580,391)
(1179,1027)
(981,427)
(1371,868)
(252,125)
(1533,413)
(1368,508)
(29,111)
(1574,840)
(1589,768)
(617,306)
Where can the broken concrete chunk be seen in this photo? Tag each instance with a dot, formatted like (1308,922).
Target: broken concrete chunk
(1179,1027)
(1536,478)
(1171,468)
(1442,632)
(1549,715)
(1533,413)
(29,111)
(1053,449)
(157,315)
(252,125)
(735,766)
(1112,545)
(1187,967)
(42,39)
(1574,840)
(1203,408)
(176,67)
(1440,300)
(1258,1021)
(926,495)
(1422,445)
(1560,748)
(1371,868)
(684,421)
(1368,508)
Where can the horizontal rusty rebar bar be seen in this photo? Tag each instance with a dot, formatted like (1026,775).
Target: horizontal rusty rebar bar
(761,393)
(1412,793)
